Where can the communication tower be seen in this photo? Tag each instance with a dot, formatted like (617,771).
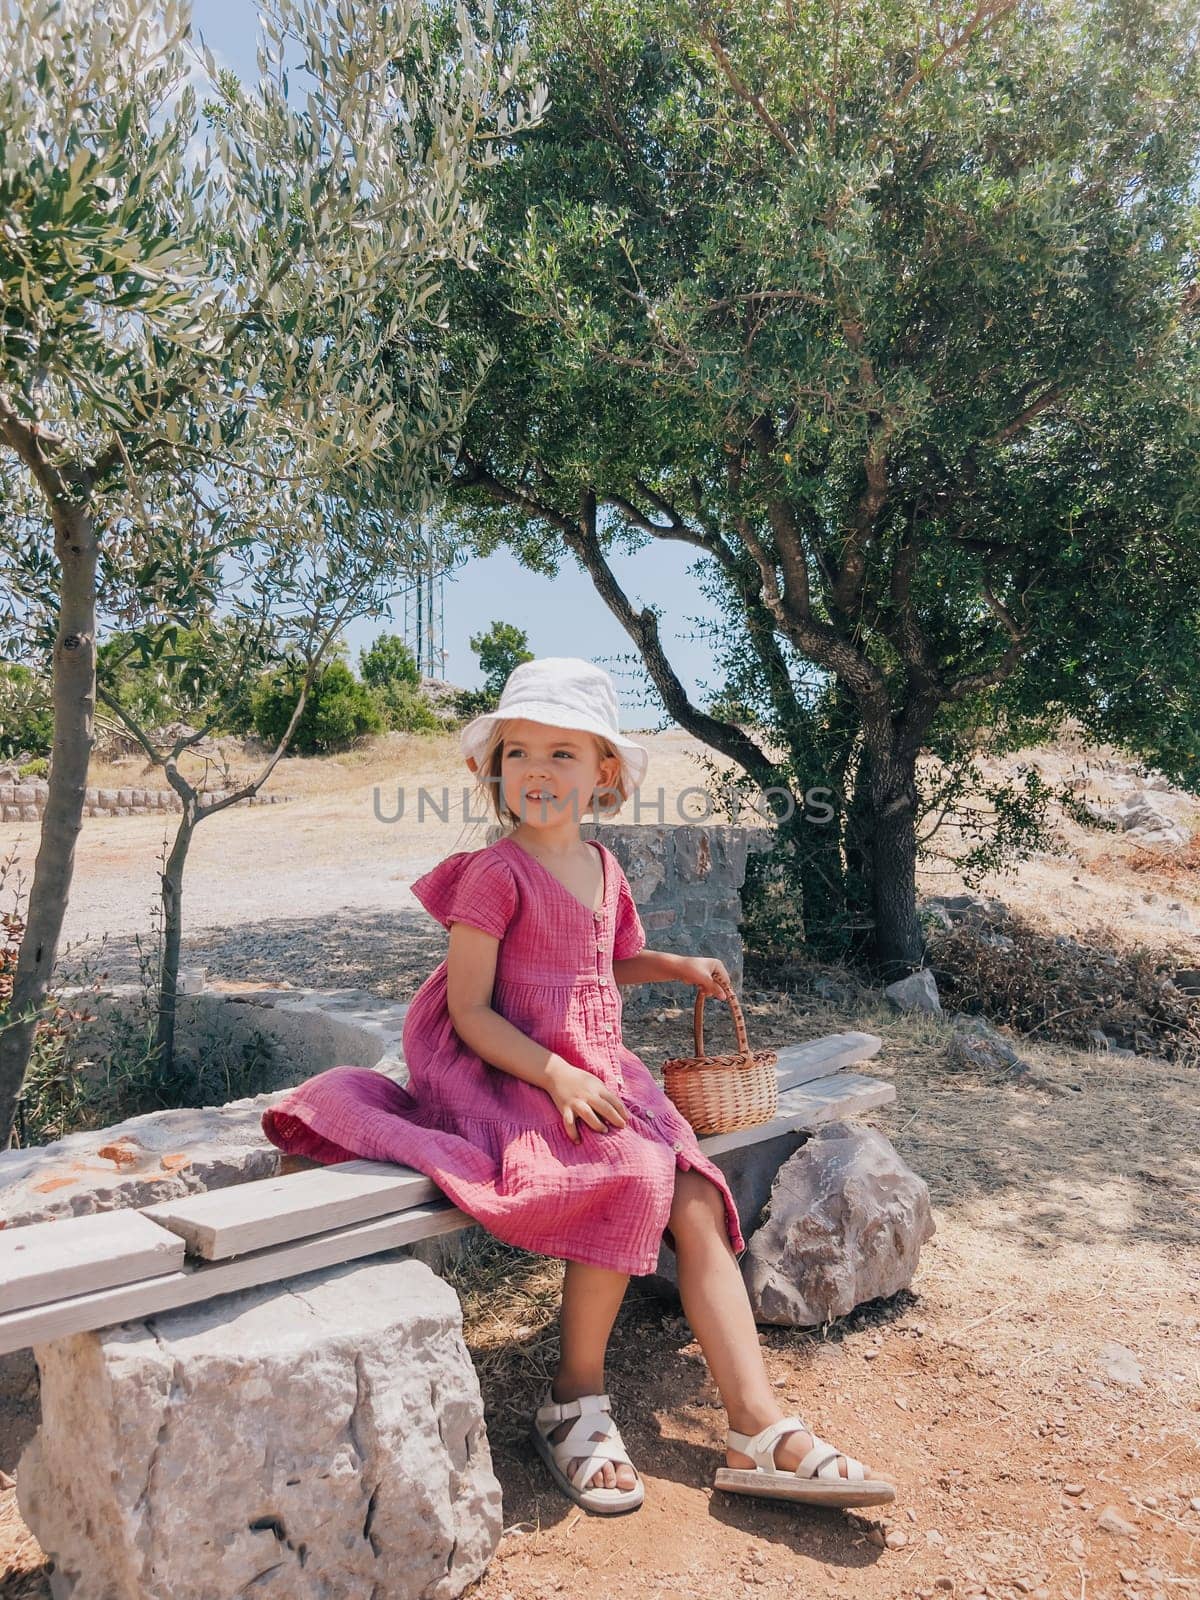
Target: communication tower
(424,615)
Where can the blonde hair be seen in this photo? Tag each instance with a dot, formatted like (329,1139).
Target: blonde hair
(606,803)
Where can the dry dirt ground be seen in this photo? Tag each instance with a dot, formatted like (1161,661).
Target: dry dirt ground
(1036,1392)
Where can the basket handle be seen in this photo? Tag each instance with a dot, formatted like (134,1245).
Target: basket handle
(739,1024)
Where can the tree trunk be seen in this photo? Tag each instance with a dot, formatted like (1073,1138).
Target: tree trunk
(833,899)
(882,854)
(73,686)
(821,879)
(172,901)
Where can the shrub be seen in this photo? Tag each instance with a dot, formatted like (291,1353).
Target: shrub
(53,1092)
(78,1079)
(471,702)
(405,709)
(1061,989)
(26,711)
(387,662)
(772,925)
(339,709)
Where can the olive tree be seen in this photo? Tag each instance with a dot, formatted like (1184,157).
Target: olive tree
(885,316)
(249,312)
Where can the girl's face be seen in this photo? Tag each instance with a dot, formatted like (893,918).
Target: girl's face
(548,776)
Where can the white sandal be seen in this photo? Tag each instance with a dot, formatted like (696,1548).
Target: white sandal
(592,1411)
(816,1481)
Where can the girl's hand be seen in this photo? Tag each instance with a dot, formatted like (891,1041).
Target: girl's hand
(581,1097)
(707,973)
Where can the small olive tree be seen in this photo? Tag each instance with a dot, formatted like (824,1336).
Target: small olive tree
(265,603)
(253,325)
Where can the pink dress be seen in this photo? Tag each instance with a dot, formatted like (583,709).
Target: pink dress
(493,1143)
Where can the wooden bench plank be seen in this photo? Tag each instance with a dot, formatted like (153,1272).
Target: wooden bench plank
(814,1103)
(133,1301)
(231,1222)
(75,1255)
(250,1216)
(801,1063)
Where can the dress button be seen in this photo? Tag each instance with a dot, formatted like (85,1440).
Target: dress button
(677,1148)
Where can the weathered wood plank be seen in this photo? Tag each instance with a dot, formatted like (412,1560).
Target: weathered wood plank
(75,1255)
(250,1216)
(817,1058)
(192,1284)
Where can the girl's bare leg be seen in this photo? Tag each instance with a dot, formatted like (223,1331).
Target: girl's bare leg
(591,1299)
(718,1308)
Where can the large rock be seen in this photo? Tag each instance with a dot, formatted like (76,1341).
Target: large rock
(846,1223)
(975,1043)
(1139,816)
(316,1438)
(951,909)
(917,992)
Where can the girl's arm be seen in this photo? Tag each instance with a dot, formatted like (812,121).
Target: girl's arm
(470,977)
(659,966)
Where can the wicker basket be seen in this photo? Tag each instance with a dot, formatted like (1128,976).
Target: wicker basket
(719,1094)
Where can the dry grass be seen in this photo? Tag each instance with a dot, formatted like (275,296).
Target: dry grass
(1051,990)
(309,776)
(510,1303)
(1176,869)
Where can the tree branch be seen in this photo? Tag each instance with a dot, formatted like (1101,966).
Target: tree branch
(743,91)
(642,628)
(28,444)
(847,596)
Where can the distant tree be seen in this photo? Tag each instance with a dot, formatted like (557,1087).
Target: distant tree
(390,669)
(388,661)
(501,648)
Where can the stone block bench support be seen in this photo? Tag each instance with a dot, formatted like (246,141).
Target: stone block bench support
(286,1443)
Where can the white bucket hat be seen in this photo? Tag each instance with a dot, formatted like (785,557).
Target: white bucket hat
(562,692)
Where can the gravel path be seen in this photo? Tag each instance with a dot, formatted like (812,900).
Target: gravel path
(389,953)
(311,892)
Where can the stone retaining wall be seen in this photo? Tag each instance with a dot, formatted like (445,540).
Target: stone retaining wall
(686,880)
(26,802)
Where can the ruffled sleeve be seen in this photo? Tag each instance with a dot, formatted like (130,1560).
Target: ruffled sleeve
(630,936)
(475,886)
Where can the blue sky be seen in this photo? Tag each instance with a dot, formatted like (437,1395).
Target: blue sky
(563,615)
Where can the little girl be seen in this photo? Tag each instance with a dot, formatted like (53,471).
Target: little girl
(524,1106)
